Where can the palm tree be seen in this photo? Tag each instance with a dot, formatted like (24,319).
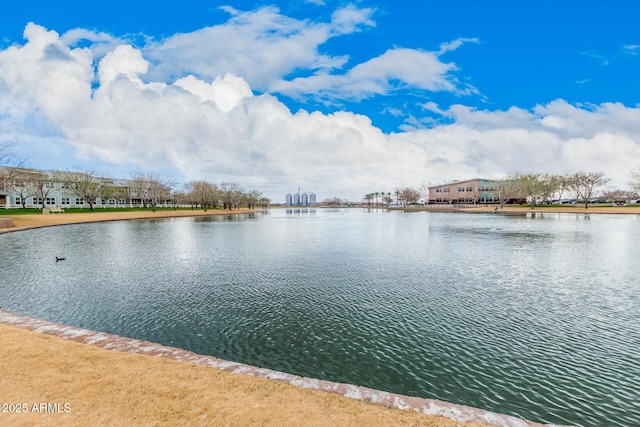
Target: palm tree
(376,194)
(368,198)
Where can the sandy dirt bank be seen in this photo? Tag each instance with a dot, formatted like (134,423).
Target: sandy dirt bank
(54,380)
(23,222)
(514,209)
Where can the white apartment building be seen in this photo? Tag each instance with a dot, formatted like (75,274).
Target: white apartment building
(35,188)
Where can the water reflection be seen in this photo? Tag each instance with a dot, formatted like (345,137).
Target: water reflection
(302,211)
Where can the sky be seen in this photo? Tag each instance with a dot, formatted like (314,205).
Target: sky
(337,98)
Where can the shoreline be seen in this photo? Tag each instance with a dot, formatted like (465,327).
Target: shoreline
(410,410)
(30,221)
(44,374)
(511,209)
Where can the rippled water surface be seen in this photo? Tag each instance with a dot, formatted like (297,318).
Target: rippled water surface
(534,316)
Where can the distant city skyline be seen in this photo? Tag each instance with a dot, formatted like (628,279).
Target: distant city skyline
(347,97)
(300,199)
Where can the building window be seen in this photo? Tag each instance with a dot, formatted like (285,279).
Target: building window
(438,190)
(469,189)
(37,201)
(446,190)
(50,201)
(64,201)
(460,189)
(18,200)
(79,201)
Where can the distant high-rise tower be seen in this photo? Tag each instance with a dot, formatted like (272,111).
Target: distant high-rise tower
(296,199)
(304,201)
(288,199)
(312,199)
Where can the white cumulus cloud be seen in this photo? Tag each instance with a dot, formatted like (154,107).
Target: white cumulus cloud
(217,128)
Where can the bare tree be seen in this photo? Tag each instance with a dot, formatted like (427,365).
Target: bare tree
(43,183)
(408,195)
(159,190)
(563,185)
(22,183)
(8,157)
(204,193)
(423,189)
(584,184)
(251,198)
(150,188)
(618,195)
(634,181)
(231,194)
(334,202)
(506,189)
(10,166)
(114,191)
(86,185)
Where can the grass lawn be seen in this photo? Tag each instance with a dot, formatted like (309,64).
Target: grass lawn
(32,211)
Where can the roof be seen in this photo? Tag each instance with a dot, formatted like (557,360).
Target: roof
(462,182)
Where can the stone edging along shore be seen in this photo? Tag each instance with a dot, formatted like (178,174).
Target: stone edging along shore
(391,400)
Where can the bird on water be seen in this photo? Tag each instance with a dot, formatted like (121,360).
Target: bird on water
(59,259)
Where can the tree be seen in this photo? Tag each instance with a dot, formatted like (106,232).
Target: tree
(231,194)
(264,202)
(203,193)
(634,181)
(583,184)
(563,185)
(85,185)
(150,188)
(112,191)
(550,185)
(43,184)
(334,202)
(506,190)
(22,182)
(424,192)
(368,198)
(407,195)
(386,199)
(10,166)
(536,187)
(251,198)
(619,195)
(7,156)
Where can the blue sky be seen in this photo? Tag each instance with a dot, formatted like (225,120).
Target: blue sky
(340,98)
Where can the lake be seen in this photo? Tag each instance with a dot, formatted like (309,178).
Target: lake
(536,316)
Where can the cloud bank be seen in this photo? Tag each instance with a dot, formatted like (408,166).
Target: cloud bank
(205,109)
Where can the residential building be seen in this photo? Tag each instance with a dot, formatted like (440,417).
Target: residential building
(31,187)
(472,191)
